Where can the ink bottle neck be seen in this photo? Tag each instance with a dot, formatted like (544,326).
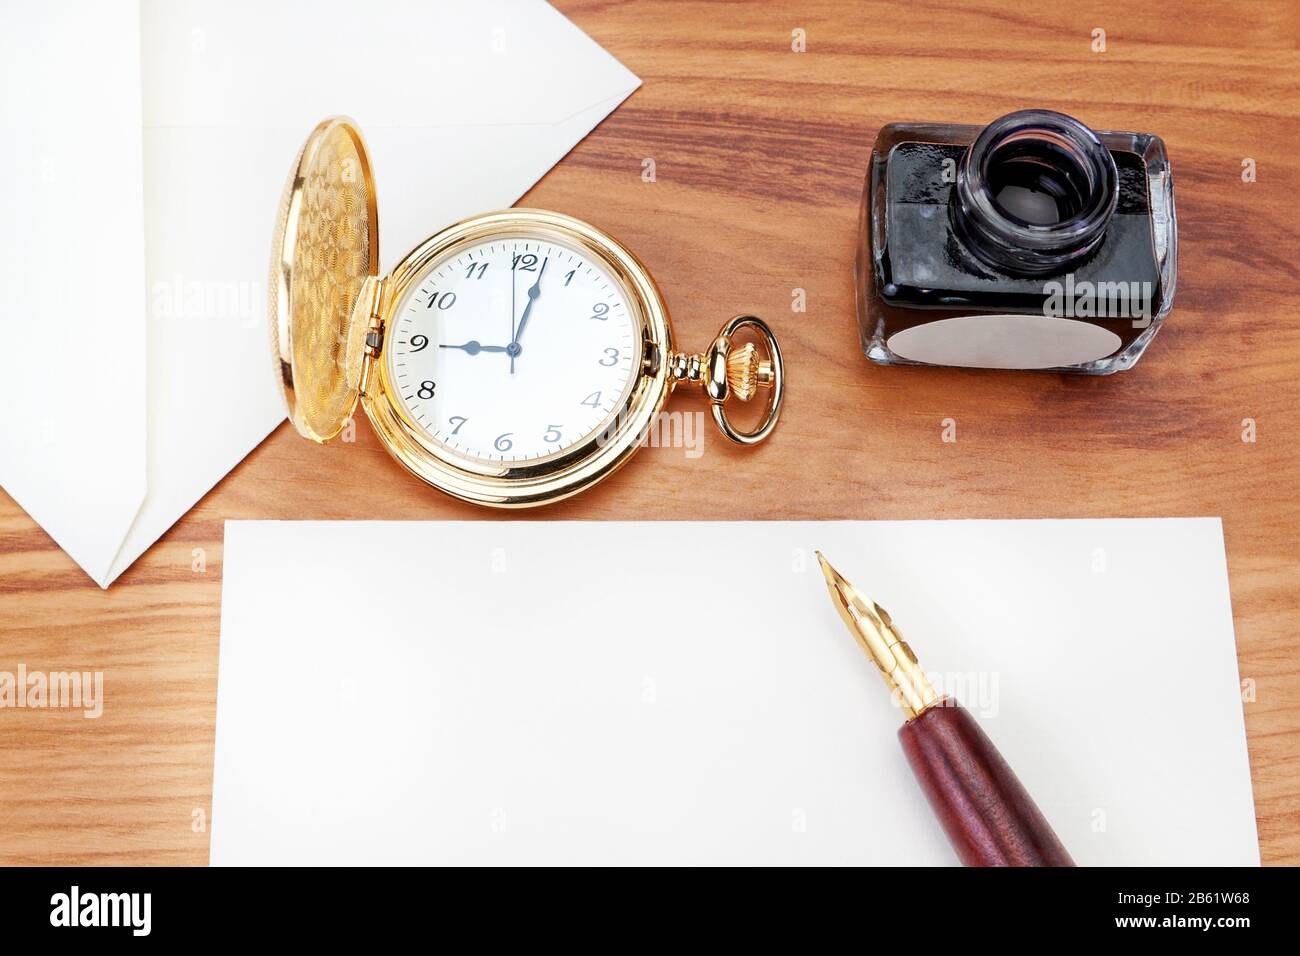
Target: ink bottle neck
(1034,193)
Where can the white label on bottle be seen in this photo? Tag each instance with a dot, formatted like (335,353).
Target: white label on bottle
(1005,341)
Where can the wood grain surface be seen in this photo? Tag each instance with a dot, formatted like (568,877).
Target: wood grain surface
(759,154)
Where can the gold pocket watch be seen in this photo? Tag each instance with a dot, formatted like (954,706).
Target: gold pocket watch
(513,359)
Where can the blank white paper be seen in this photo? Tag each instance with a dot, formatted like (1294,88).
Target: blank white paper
(684,693)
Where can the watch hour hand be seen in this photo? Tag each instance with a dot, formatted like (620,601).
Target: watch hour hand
(473,347)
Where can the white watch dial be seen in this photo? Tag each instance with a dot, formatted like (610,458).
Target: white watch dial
(513,349)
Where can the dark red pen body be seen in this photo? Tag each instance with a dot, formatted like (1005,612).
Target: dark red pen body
(988,815)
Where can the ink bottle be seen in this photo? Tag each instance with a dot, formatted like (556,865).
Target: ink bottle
(1031,243)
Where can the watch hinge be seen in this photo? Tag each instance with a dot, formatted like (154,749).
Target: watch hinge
(374,341)
(375,330)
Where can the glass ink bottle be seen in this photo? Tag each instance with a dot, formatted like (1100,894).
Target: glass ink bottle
(1031,243)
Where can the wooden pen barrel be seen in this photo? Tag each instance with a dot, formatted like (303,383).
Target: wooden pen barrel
(988,815)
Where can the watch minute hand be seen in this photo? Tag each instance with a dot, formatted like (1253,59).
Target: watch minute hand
(534,291)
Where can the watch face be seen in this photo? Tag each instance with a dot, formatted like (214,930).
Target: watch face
(513,349)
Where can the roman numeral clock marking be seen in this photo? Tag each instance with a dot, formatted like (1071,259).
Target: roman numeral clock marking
(513,349)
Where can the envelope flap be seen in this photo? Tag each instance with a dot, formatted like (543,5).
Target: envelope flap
(325,246)
(73,295)
(453,64)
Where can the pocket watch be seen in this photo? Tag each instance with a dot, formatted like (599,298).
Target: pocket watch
(512,359)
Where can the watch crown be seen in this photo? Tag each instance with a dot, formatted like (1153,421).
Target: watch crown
(746,372)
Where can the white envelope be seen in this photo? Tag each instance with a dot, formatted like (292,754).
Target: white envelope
(147,147)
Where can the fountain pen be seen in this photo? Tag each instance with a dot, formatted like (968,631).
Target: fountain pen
(989,817)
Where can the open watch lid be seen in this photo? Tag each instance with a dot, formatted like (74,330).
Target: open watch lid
(325,246)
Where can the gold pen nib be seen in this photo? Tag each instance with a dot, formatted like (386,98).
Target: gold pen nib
(875,633)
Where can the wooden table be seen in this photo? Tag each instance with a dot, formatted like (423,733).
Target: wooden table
(759,156)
